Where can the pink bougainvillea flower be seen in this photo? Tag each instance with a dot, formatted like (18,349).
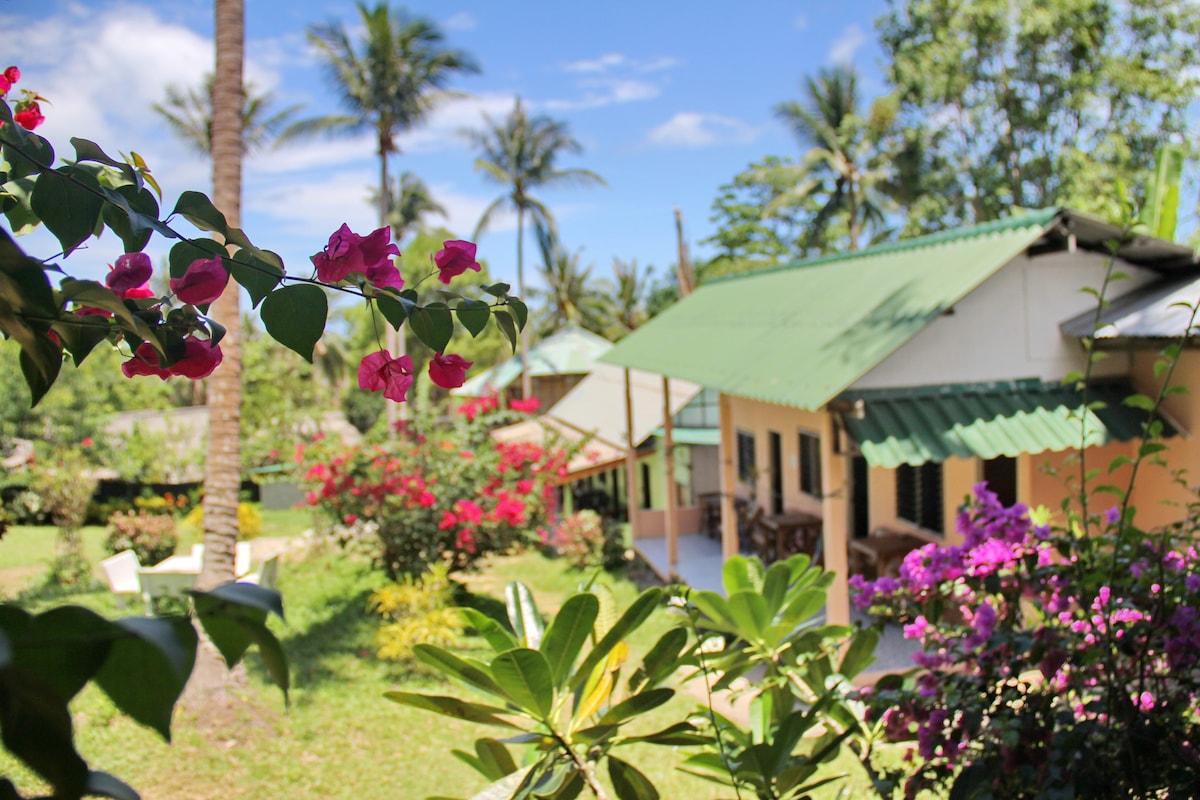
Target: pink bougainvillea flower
(139,292)
(87,311)
(455,258)
(130,271)
(369,256)
(377,249)
(144,362)
(28,115)
(527,406)
(202,283)
(385,273)
(380,372)
(199,360)
(5,85)
(449,372)
(12,74)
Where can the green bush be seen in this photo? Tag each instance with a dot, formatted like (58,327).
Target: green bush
(151,536)
(416,611)
(587,540)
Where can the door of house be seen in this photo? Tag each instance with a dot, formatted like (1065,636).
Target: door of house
(860,494)
(775,445)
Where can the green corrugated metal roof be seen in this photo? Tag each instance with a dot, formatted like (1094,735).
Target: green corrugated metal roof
(985,420)
(799,335)
(710,436)
(569,351)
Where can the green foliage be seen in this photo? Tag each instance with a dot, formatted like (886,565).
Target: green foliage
(560,689)
(415,611)
(150,536)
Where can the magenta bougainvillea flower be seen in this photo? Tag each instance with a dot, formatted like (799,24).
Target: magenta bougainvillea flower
(379,372)
(130,271)
(200,358)
(449,371)
(455,258)
(370,256)
(144,362)
(202,283)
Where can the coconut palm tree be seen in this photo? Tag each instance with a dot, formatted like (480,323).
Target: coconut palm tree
(844,168)
(570,296)
(409,203)
(188,112)
(521,153)
(632,287)
(222,474)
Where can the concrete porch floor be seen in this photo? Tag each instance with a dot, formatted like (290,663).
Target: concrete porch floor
(700,566)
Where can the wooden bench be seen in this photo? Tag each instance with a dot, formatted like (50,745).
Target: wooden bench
(882,552)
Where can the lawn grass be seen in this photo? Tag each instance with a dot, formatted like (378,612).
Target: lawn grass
(340,738)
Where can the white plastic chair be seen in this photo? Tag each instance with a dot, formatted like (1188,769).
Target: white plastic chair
(267,573)
(241,557)
(121,573)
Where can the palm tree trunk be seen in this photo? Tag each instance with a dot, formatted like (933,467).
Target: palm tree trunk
(223,467)
(523,338)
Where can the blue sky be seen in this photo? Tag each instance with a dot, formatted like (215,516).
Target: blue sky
(669,100)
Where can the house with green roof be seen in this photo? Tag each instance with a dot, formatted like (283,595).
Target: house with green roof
(871,390)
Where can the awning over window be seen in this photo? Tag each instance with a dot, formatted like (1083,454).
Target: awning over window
(912,426)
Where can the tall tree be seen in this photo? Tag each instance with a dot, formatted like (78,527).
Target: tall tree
(753,229)
(386,83)
(409,204)
(632,287)
(222,475)
(845,165)
(1036,102)
(189,114)
(571,296)
(521,153)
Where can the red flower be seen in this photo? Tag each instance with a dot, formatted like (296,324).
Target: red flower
(86,441)
(370,256)
(380,372)
(455,258)
(131,271)
(87,311)
(199,360)
(5,85)
(449,372)
(139,292)
(28,115)
(202,283)
(12,75)
(144,362)
(527,406)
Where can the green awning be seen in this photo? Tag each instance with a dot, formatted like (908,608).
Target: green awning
(569,351)
(710,436)
(801,334)
(898,426)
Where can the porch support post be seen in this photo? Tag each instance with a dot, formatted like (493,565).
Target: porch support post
(672,528)
(727,452)
(630,460)
(835,513)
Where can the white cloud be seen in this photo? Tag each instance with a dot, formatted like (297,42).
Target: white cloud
(693,129)
(594,65)
(846,45)
(601,92)
(658,64)
(801,22)
(462,21)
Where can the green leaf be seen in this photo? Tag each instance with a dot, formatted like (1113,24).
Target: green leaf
(86,150)
(183,253)
(496,634)
(257,275)
(525,677)
(146,670)
(635,705)
(739,576)
(637,613)
(1161,209)
(81,335)
(132,214)
(681,734)
(40,365)
(471,672)
(860,654)
(433,324)
(197,209)
(20,215)
(35,153)
(519,311)
(101,784)
(295,317)
(628,782)
(566,634)
(68,201)
(495,759)
(474,315)
(523,614)
(64,646)
(749,612)
(452,707)
(496,289)
(90,293)
(664,658)
(1139,401)
(394,309)
(504,322)
(234,616)
(35,726)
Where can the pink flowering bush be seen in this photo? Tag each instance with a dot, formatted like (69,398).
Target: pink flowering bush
(1054,662)
(440,494)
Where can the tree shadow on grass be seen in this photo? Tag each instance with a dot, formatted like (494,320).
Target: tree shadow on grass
(483,603)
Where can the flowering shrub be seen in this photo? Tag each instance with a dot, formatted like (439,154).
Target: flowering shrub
(442,493)
(416,611)
(151,536)
(1054,662)
(585,540)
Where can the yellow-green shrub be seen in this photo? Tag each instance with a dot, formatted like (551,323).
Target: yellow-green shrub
(250,522)
(415,611)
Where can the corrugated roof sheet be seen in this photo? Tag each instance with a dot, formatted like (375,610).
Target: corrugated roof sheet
(799,335)
(569,351)
(986,420)
(1161,310)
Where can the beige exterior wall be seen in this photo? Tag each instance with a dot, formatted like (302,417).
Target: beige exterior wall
(759,419)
